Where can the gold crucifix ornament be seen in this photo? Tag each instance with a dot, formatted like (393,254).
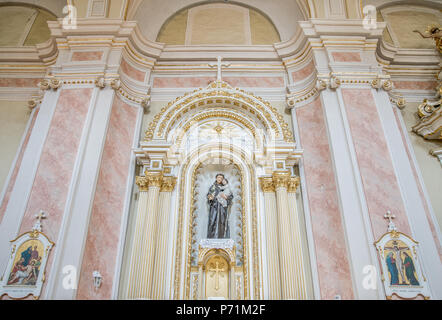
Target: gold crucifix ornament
(215,272)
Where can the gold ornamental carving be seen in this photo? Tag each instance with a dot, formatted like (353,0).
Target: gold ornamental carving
(281,179)
(168,184)
(218,92)
(267,184)
(142,183)
(293,184)
(155,179)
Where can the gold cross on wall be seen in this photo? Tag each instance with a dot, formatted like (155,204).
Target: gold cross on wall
(216,272)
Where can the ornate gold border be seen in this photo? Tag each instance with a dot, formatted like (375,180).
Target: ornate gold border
(177,276)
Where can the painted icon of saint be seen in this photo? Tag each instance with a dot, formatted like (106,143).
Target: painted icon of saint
(392,269)
(409,270)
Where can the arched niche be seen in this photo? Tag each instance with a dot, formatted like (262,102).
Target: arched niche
(283,14)
(168,145)
(249,274)
(218,23)
(403,17)
(23,24)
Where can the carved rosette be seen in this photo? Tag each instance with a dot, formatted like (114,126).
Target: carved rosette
(50,83)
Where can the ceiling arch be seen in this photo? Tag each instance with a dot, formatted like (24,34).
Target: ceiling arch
(284,14)
(24,24)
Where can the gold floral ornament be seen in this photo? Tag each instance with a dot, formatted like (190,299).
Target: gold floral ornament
(217,93)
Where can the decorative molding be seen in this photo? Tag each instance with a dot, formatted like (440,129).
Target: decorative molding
(334,82)
(50,83)
(437,153)
(100,83)
(430,122)
(293,184)
(168,184)
(279,179)
(142,183)
(155,179)
(397,99)
(216,93)
(266,184)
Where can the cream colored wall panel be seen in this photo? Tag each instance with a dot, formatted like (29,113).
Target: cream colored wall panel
(429,165)
(13,24)
(402,20)
(217,24)
(14,116)
(174,30)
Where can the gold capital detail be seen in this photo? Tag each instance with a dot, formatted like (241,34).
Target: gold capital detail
(267,184)
(293,184)
(168,184)
(151,179)
(142,183)
(155,178)
(281,179)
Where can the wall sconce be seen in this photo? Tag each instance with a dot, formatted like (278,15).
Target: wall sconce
(97,279)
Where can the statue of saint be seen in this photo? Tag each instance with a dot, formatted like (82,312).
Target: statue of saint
(219,200)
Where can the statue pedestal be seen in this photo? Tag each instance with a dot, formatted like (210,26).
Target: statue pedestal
(217,243)
(216,267)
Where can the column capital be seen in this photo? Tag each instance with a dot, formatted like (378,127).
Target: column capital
(281,179)
(293,184)
(267,184)
(168,184)
(142,183)
(150,179)
(154,178)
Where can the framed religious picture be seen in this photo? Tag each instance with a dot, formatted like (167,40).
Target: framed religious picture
(402,273)
(24,274)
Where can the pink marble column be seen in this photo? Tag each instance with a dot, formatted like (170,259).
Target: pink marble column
(328,231)
(54,172)
(107,210)
(57,160)
(381,188)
